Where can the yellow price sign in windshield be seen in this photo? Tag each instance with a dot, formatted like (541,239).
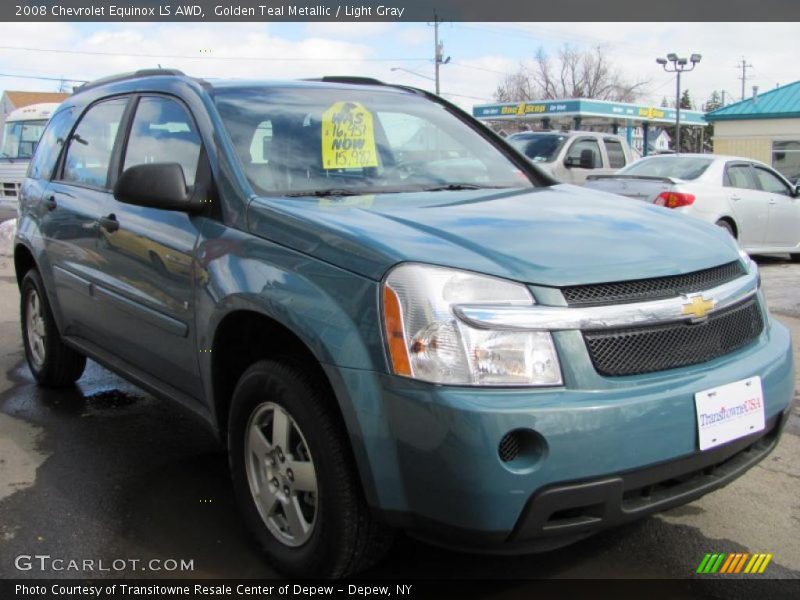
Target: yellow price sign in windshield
(348,137)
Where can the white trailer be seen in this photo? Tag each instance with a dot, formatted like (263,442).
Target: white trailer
(22,131)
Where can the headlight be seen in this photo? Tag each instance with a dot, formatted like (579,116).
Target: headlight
(427,341)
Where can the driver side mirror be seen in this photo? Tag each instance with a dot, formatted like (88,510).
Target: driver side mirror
(156,185)
(587,159)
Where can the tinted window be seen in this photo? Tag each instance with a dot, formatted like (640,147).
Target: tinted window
(163,132)
(44,160)
(786,158)
(543,147)
(770,182)
(574,153)
(616,155)
(356,140)
(739,176)
(90,146)
(679,167)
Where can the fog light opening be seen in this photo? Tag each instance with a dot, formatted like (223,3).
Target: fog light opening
(521,450)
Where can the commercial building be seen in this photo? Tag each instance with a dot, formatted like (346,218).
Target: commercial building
(586,114)
(764,127)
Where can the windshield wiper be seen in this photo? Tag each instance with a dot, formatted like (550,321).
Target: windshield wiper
(455,187)
(324,193)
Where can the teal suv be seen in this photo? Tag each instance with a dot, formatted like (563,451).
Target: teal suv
(390,317)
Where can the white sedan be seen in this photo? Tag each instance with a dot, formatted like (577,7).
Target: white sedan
(752,201)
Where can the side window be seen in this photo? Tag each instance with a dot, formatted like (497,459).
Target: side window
(616,155)
(769,182)
(739,176)
(163,131)
(44,159)
(577,148)
(90,145)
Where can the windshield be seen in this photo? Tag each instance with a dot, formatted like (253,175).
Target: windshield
(20,138)
(539,147)
(341,141)
(677,167)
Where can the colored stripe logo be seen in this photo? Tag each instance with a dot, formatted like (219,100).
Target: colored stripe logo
(737,562)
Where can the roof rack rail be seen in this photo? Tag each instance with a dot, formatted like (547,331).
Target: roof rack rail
(127,76)
(354,79)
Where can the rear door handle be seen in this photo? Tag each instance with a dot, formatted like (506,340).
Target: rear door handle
(109,223)
(51,203)
(736,197)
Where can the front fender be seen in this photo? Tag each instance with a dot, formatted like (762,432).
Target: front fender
(333,312)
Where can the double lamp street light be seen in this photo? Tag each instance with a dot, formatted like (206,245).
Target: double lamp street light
(679,65)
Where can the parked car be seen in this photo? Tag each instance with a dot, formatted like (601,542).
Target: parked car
(482,357)
(751,201)
(23,128)
(571,156)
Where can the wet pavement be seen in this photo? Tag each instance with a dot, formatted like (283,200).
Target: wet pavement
(104,471)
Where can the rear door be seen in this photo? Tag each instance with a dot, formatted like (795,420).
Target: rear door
(73,204)
(748,203)
(149,255)
(783,227)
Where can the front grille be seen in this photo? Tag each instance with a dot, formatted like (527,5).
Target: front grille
(636,350)
(650,289)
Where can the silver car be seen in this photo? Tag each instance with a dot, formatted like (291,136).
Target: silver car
(752,201)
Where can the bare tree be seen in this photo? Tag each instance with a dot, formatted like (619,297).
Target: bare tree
(573,74)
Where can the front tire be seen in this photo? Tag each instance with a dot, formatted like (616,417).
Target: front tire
(294,475)
(52,363)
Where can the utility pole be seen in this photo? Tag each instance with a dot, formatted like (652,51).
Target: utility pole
(438,49)
(743,66)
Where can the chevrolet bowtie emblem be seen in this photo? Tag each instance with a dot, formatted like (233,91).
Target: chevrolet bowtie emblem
(698,307)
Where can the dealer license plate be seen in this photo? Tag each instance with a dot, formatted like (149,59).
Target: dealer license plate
(729,412)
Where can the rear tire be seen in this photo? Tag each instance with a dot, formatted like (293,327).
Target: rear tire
(314,524)
(52,363)
(727,227)
(794,257)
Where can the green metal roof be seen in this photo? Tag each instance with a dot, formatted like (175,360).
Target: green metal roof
(780,103)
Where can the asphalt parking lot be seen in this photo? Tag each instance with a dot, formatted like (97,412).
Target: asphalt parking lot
(105,471)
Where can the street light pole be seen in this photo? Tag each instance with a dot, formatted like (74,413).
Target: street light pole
(679,65)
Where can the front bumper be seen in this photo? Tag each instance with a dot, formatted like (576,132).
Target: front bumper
(611,449)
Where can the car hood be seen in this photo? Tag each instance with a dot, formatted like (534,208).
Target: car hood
(559,235)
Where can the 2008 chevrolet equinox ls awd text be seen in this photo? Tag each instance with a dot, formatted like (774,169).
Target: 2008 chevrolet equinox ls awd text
(391,318)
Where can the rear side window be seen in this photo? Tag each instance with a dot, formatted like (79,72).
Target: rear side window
(90,145)
(616,155)
(44,159)
(163,132)
(739,176)
(770,182)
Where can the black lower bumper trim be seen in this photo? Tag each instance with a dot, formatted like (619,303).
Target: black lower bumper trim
(583,507)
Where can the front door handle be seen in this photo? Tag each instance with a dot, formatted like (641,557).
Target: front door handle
(736,197)
(51,203)
(109,223)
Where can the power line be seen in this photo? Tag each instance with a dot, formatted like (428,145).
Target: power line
(206,57)
(44,78)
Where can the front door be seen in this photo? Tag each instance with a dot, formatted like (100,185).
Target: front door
(149,254)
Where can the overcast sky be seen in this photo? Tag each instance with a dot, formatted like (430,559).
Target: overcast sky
(480,52)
